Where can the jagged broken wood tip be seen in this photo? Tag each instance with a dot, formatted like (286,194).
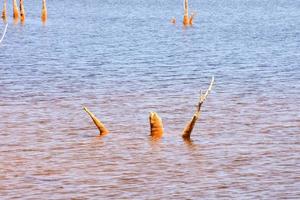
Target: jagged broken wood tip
(97,122)
(156,125)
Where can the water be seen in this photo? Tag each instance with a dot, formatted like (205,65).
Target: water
(123,59)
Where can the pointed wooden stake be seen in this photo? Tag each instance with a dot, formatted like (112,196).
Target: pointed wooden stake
(97,122)
(44,15)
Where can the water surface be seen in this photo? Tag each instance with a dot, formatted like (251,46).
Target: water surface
(123,59)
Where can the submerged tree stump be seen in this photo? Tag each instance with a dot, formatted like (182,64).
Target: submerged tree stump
(191,124)
(156,126)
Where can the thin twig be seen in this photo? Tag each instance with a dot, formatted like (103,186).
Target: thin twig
(5,29)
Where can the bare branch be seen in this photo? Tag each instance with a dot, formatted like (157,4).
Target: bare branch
(191,124)
(97,122)
(5,29)
(203,97)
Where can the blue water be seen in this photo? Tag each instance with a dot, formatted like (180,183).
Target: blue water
(123,59)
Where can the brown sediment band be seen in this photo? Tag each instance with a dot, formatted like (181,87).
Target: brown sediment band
(97,122)
(156,125)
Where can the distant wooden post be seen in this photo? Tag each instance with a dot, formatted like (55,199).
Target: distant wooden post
(22,11)
(44,15)
(186,19)
(4,16)
(173,20)
(191,20)
(186,13)
(15,10)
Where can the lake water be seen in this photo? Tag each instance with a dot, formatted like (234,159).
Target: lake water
(123,59)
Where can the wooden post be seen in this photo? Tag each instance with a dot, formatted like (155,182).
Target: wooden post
(186,13)
(4,16)
(15,10)
(44,15)
(22,11)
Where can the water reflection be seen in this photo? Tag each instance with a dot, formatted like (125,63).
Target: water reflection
(155,143)
(189,142)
